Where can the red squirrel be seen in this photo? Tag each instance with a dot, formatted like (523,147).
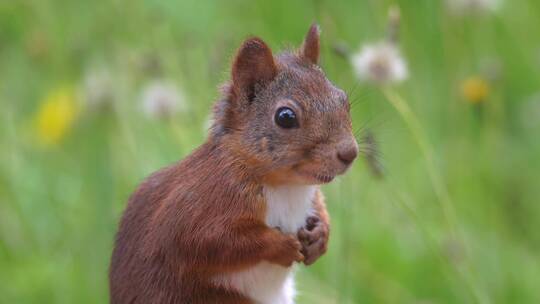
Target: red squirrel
(228,223)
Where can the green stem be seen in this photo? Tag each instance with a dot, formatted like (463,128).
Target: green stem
(421,139)
(437,182)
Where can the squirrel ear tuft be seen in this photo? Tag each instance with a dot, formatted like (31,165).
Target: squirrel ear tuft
(311,47)
(254,65)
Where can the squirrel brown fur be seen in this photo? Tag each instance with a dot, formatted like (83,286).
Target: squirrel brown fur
(227,223)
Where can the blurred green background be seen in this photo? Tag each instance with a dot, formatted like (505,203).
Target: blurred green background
(76,138)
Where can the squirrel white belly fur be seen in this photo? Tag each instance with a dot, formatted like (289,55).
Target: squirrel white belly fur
(287,208)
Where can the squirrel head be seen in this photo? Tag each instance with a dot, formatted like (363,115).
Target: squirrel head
(282,117)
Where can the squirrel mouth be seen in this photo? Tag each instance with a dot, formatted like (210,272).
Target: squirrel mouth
(325,179)
(321,178)
(317,178)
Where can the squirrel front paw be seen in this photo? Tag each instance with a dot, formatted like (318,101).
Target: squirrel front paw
(314,239)
(286,251)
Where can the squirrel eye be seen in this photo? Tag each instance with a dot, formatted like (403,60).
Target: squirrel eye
(286,118)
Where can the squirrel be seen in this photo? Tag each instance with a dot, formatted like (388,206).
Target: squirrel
(228,223)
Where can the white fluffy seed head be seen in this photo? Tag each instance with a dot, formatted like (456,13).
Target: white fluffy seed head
(468,7)
(98,88)
(162,100)
(380,63)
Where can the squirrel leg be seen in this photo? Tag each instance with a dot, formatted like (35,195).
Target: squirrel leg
(246,243)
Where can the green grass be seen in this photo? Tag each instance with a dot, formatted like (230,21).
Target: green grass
(391,242)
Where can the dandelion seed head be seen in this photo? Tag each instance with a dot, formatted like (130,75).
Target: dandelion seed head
(98,88)
(162,100)
(380,63)
(468,7)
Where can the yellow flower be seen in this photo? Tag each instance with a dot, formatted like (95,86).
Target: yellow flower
(56,115)
(475,89)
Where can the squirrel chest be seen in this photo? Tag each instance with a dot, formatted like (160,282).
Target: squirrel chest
(287,208)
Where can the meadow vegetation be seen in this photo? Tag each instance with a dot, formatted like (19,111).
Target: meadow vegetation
(443,206)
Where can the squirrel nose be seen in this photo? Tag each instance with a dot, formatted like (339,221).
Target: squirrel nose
(347,154)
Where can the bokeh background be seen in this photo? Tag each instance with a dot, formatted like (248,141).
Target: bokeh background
(443,206)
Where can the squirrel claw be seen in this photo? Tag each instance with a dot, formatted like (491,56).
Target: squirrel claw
(313,251)
(311,222)
(314,238)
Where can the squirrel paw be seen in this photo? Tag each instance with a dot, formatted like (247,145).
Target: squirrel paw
(314,239)
(287,252)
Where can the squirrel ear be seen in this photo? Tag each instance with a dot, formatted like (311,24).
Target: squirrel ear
(254,65)
(311,47)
